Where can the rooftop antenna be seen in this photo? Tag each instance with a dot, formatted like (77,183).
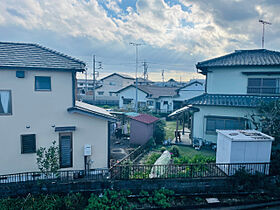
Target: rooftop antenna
(145,71)
(263,23)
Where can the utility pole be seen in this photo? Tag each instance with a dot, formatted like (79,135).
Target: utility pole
(162,75)
(136,45)
(145,71)
(263,23)
(94,74)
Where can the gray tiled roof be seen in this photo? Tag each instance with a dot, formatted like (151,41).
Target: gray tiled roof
(231,100)
(258,57)
(156,91)
(26,55)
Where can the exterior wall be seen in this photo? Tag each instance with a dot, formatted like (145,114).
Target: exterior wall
(112,84)
(129,93)
(164,107)
(140,133)
(230,80)
(41,110)
(191,91)
(199,120)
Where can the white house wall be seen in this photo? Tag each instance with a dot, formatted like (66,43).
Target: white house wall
(231,80)
(130,93)
(40,110)
(199,120)
(191,91)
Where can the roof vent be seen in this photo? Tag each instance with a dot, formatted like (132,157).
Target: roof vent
(20,74)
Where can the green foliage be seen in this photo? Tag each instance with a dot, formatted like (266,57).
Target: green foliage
(48,159)
(162,149)
(144,197)
(162,198)
(159,132)
(152,158)
(175,151)
(111,199)
(74,201)
(195,159)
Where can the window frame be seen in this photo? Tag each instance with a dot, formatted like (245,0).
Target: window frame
(71,144)
(261,88)
(21,143)
(11,103)
(224,119)
(44,90)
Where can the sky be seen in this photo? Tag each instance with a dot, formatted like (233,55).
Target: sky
(174,34)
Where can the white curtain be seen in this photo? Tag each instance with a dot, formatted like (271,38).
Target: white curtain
(5,98)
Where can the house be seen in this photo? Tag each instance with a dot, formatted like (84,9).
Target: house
(156,98)
(159,99)
(110,84)
(142,128)
(38,106)
(192,89)
(236,84)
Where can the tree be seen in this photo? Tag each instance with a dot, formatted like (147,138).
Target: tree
(159,132)
(48,159)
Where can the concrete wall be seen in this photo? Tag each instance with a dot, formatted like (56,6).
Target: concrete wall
(140,133)
(230,80)
(199,120)
(41,110)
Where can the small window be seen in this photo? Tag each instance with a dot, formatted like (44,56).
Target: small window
(165,103)
(28,143)
(101,93)
(5,102)
(150,103)
(127,101)
(42,83)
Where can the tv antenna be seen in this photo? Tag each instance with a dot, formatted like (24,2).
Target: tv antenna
(264,23)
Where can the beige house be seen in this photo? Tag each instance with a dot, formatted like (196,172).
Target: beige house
(38,106)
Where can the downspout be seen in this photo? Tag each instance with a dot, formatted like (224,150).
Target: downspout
(73,88)
(109,144)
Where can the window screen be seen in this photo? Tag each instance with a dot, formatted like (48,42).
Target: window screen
(214,123)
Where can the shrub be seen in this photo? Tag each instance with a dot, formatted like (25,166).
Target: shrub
(152,158)
(111,199)
(74,201)
(159,132)
(162,198)
(175,151)
(162,149)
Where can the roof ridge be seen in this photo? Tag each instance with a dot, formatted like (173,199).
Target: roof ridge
(45,48)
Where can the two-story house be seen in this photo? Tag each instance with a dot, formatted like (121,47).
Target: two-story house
(236,85)
(38,106)
(110,84)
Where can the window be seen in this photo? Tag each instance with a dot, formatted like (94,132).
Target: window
(213,123)
(5,102)
(65,150)
(165,103)
(263,85)
(28,143)
(42,83)
(127,101)
(101,93)
(150,103)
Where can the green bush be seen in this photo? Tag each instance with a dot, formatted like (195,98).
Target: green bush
(111,199)
(175,151)
(162,149)
(162,198)
(152,158)
(159,132)
(74,201)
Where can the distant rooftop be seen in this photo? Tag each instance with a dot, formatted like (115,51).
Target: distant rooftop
(258,57)
(29,56)
(125,76)
(145,118)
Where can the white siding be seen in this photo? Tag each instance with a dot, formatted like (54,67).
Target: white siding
(41,110)
(130,93)
(191,91)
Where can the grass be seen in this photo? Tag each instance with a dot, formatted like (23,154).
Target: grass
(170,129)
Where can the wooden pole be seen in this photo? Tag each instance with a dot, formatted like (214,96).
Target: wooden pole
(184,116)
(176,133)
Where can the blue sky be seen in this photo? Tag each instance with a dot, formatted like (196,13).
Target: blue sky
(176,34)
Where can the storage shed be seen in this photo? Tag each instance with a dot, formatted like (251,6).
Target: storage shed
(243,146)
(142,128)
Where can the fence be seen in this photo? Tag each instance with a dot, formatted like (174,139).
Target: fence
(60,176)
(130,171)
(124,172)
